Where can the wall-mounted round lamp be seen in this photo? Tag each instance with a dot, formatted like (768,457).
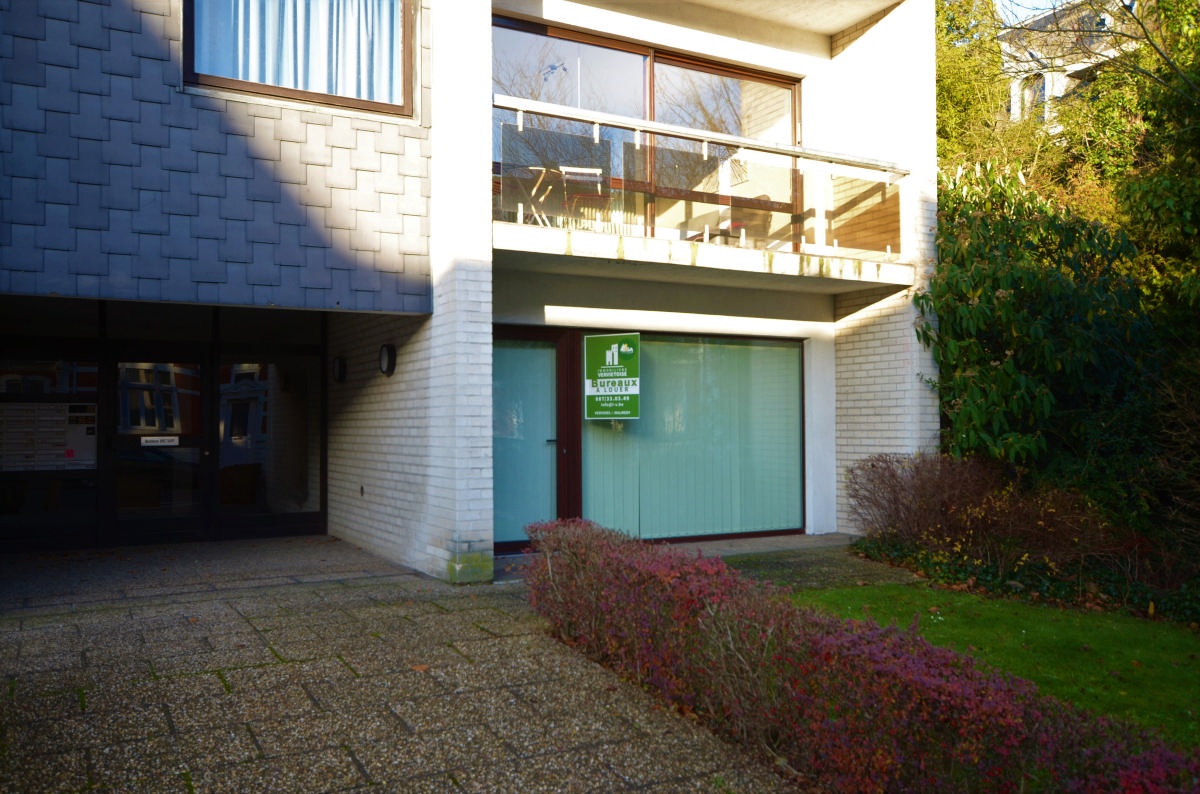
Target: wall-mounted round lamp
(338,368)
(387,359)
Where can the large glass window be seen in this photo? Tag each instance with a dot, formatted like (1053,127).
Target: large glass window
(159,443)
(554,171)
(549,67)
(722,103)
(718,447)
(48,443)
(564,72)
(351,49)
(270,436)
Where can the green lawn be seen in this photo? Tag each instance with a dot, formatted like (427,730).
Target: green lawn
(1110,663)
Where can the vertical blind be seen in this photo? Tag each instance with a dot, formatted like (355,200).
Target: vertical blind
(346,48)
(718,447)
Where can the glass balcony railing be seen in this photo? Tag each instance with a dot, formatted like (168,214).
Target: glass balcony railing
(558,167)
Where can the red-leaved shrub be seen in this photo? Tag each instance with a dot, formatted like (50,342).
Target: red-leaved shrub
(858,706)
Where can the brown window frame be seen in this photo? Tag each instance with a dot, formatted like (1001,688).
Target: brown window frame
(655,55)
(194,78)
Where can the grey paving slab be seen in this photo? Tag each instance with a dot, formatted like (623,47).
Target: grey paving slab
(307,665)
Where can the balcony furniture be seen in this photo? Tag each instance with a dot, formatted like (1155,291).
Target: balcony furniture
(538,194)
(588,198)
(673,182)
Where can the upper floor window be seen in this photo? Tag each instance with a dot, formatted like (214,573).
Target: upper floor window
(727,103)
(531,65)
(579,71)
(350,52)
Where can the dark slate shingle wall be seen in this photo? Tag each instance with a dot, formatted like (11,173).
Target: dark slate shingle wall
(119,182)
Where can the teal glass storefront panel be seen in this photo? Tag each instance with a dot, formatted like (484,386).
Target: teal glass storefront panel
(719,447)
(524,443)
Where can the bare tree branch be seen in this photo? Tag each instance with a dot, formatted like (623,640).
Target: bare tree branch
(1100,31)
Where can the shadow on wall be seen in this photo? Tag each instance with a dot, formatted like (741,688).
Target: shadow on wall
(123,183)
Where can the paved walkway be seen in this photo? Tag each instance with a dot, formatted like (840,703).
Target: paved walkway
(307,665)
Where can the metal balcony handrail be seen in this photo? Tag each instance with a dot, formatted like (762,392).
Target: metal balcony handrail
(646,126)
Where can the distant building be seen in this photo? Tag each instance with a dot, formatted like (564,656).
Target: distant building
(1053,53)
(312,267)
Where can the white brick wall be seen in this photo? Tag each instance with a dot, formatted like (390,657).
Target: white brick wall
(380,466)
(460,334)
(883,404)
(410,472)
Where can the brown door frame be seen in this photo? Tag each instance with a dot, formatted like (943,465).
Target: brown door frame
(568,343)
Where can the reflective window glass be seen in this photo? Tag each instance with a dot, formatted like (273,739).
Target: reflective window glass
(48,446)
(560,71)
(718,448)
(269,456)
(571,73)
(722,103)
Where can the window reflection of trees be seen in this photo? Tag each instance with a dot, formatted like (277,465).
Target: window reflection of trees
(538,73)
(562,73)
(698,100)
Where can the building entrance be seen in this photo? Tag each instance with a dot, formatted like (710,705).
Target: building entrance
(161,457)
(147,423)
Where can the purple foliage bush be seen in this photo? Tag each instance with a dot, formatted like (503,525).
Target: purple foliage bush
(861,707)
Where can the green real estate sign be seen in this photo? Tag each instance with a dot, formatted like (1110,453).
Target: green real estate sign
(611,380)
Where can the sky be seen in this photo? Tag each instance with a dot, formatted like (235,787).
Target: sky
(1017,10)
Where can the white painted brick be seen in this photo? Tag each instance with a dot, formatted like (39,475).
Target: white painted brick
(884,405)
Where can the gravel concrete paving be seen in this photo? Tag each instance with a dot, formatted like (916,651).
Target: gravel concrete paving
(307,665)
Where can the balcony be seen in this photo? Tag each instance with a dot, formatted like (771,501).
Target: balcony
(583,184)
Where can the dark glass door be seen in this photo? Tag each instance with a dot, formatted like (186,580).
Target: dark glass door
(268,448)
(161,455)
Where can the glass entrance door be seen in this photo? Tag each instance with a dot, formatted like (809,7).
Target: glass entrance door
(268,450)
(159,446)
(525,446)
